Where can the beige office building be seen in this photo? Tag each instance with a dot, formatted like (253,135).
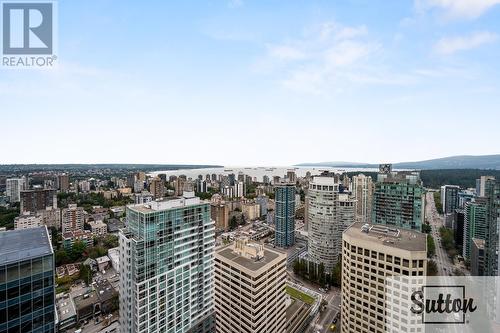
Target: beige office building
(362,189)
(370,253)
(250,288)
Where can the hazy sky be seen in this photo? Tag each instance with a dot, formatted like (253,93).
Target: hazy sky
(253,82)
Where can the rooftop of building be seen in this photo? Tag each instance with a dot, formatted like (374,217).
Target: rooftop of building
(404,239)
(65,307)
(167,203)
(103,259)
(479,243)
(86,300)
(324,180)
(18,245)
(252,264)
(105,290)
(98,223)
(114,225)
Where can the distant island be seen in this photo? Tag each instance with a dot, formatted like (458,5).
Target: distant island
(485,162)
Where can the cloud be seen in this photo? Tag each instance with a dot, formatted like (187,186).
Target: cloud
(323,55)
(451,45)
(235,3)
(457,9)
(285,52)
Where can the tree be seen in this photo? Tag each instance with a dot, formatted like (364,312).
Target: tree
(426,228)
(321,274)
(77,250)
(337,274)
(233,223)
(431,247)
(96,252)
(110,241)
(431,268)
(62,257)
(115,303)
(437,201)
(86,274)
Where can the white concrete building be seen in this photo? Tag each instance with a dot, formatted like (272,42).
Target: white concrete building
(13,188)
(330,212)
(28,221)
(99,228)
(114,256)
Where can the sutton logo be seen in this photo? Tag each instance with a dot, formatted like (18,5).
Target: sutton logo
(438,307)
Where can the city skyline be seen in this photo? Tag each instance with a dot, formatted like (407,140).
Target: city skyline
(339,81)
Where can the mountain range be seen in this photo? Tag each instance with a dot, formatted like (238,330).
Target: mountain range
(451,162)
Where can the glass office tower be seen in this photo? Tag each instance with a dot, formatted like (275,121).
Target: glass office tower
(284,196)
(27,294)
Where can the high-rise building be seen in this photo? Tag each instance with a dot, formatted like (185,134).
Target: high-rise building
(465,196)
(220,214)
(250,288)
(63,182)
(72,218)
(27,283)
(481,185)
(201,186)
(157,188)
(284,217)
(370,253)
(166,279)
(477,257)
(232,179)
(474,223)
(329,212)
(262,200)
(291,176)
(362,189)
(143,197)
(38,199)
(449,198)
(239,189)
(458,228)
(491,244)
(13,188)
(399,200)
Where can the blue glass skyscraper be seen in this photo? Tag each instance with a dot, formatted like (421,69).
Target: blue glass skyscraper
(27,294)
(284,217)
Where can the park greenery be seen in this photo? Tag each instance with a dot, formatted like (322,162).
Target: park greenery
(88,200)
(438,203)
(7,216)
(431,246)
(80,251)
(294,293)
(426,228)
(432,269)
(448,241)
